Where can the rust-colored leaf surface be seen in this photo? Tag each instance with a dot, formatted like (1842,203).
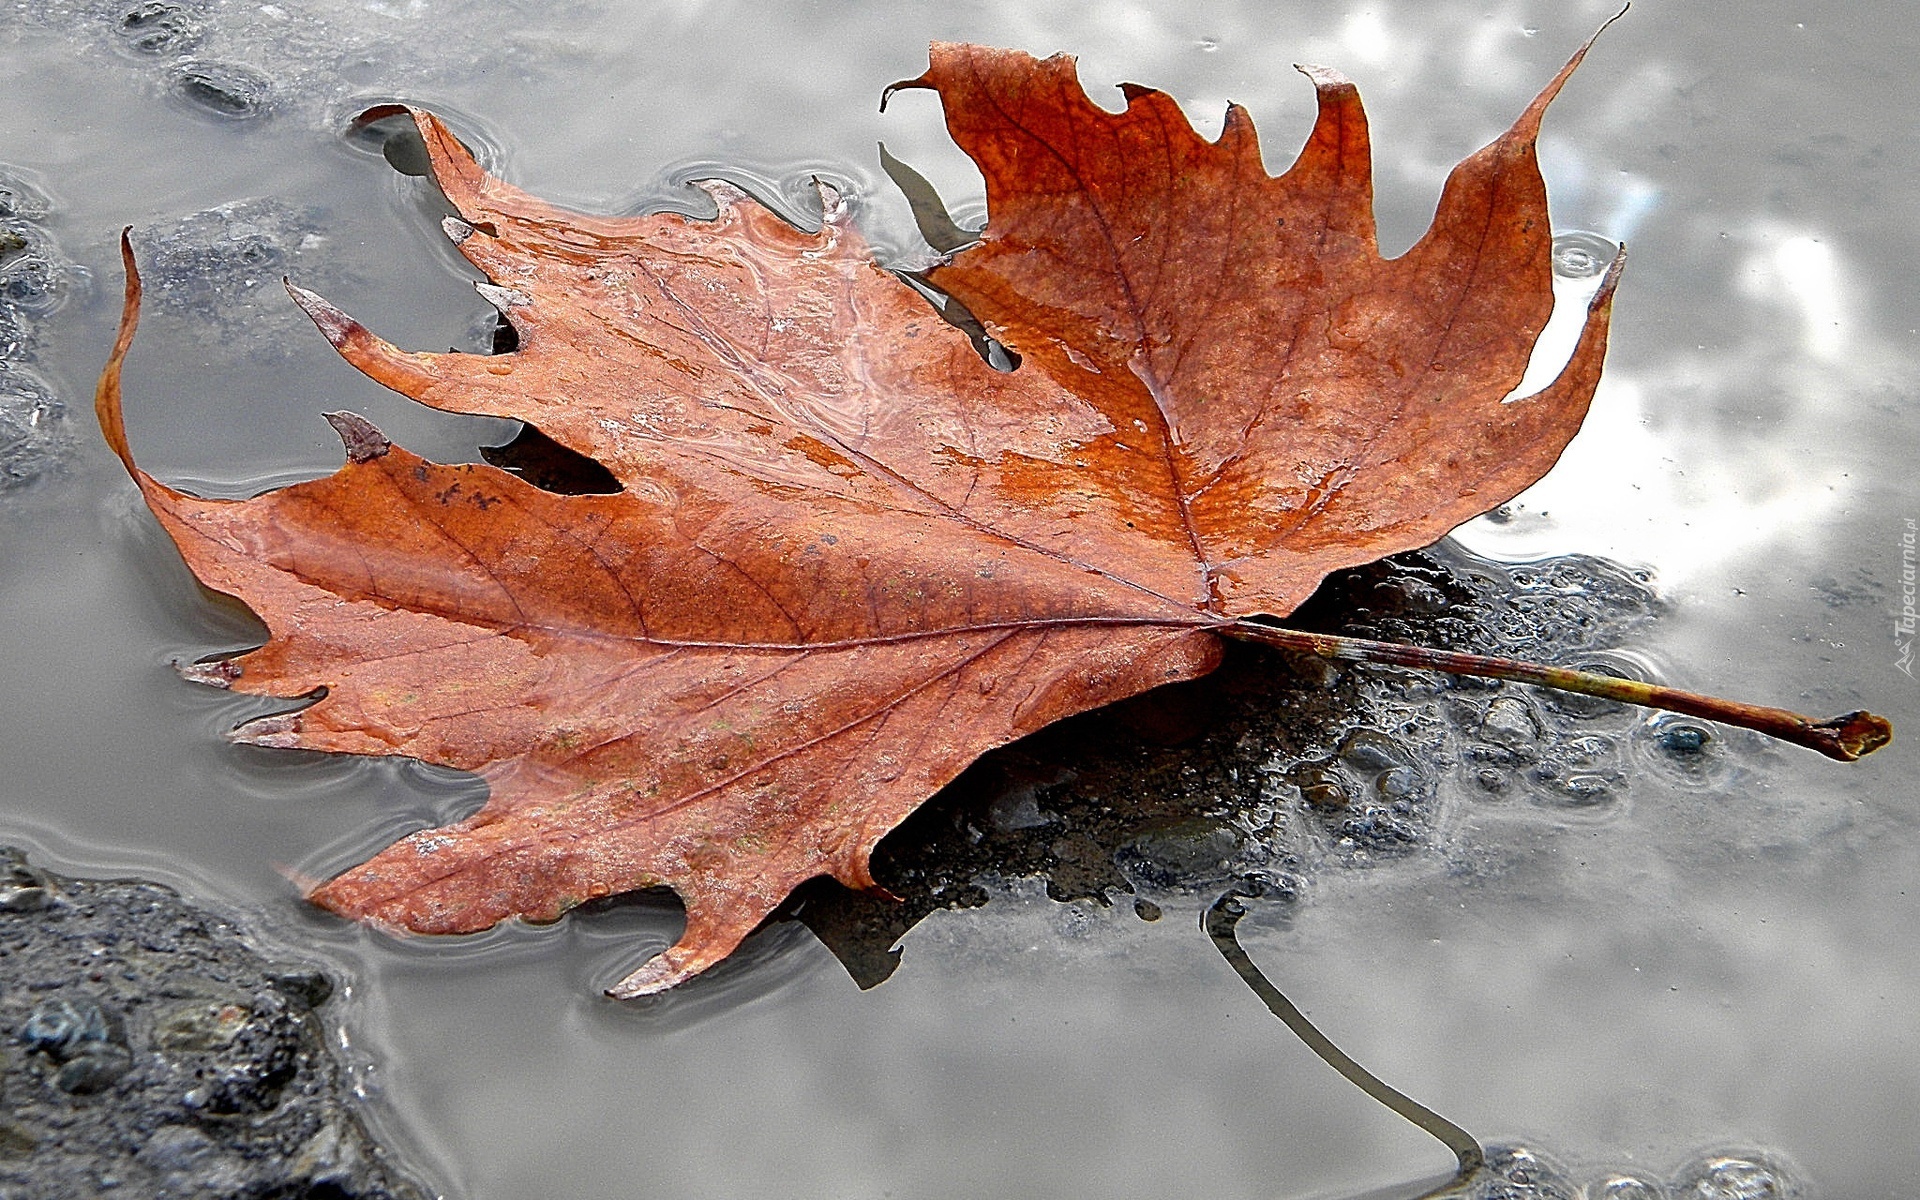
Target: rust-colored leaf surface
(846,556)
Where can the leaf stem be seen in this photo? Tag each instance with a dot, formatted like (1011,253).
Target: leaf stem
(1845,737)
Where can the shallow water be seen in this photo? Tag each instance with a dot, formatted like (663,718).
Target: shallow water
(1728,964)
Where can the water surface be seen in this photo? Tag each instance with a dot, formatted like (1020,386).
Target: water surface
(1719,965)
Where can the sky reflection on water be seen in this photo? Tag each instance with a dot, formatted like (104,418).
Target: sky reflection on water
(1708,967)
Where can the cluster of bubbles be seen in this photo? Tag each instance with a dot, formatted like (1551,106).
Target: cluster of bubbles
(1516,1172)
(173,33)
(1277,767)
(1427,743)
(35,281)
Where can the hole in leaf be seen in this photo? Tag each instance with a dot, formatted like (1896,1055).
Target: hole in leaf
(549,466)
(506,339)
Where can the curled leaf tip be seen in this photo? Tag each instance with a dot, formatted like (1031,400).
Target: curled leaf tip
(656,975)
(834,209)
(408,374)
(1529,122)
(901,85)
(305,883)
(502,298)
(1323,77)
(364,443)
(277,730)
(219,672)
(378,112)
(106,393)
(338,327)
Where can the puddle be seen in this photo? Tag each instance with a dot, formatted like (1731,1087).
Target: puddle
(1662,958)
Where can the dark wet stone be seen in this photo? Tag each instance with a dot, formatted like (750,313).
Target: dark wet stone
(1265,883)
(159,27)
(305,986)
(1377,829)
(1183,854)
(93,1071)
(24,280)
(224,267)
(245,1054)
(69,1026)
(15,899)
(225,89)
(1510,722)
(14,336)
(1585,789)
(15,1142)
(35,280)
(178,1152)
(160,1049)
(1325,795)
(1372,750)
(1398,782)
(33,441)
(240,242)
(24,888)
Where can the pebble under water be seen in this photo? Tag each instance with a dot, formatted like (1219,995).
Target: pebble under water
(1653,957)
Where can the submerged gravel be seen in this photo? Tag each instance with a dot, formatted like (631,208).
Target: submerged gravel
(150,1048)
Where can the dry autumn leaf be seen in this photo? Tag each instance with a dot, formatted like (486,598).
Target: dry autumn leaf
(847,557)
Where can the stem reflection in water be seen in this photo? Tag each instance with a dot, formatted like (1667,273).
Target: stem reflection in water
(1219,922)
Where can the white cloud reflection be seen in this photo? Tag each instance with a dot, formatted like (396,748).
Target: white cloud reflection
(1687,463)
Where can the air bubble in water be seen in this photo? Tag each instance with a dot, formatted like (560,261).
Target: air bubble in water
(13,335)
(224,89)
(1518,1173)
(32,436)
(159,27)
(1581,255)
(1624,1187)
(20,199)
(1682,739)
(1734,1177)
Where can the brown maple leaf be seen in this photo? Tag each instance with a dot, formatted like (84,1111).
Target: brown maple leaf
(847,557)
